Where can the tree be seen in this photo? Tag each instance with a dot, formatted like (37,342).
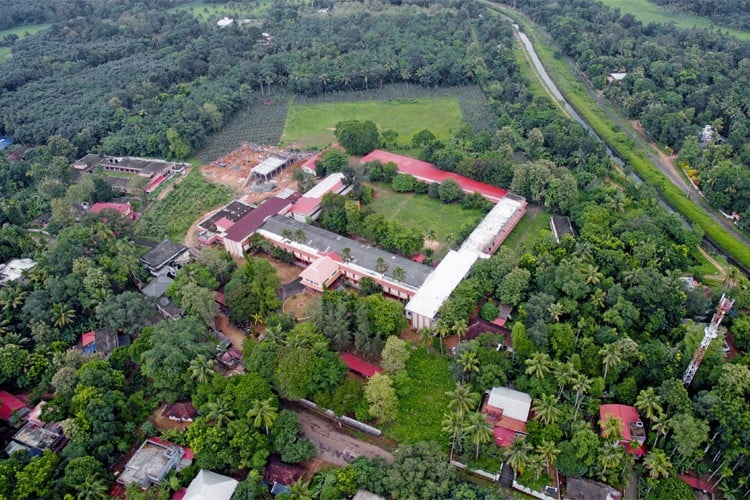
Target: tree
(649,403)
(220,412)
(358,138)
(610,357)
(251,290)
(454,424)
(450,191)
(420,471)
(460,328)
(549,452)
(332,161)
(394,355)
(263,412)
(469,363)
(538,365)
(462,400)
(657,463)
(287,440)
(479,430)
(92,488)
(62,315)
(513,286)
(201,302)
(381,396)
(201,369)
(517,455)
(546,410)
(35,480)
(127,312)
(252,488)
(581,386)
(611,429)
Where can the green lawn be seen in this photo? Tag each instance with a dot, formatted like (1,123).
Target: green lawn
(648,12)
(528,230)
(312,125)
(424,213)
(22,32)
(214,11)
(421,399)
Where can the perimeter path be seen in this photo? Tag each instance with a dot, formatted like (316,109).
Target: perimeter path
(334,446)
(663,165)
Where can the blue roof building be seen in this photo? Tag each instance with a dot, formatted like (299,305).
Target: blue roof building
(5,142)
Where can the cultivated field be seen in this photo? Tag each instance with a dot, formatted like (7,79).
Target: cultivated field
(426,214)
(235,10)
(648,12)
(22,32)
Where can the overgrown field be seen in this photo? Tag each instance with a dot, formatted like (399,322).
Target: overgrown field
(529,230)
(424,213)
(261,123)
(22,32)
(648,12)
(189,199)
(579,98)
(422,401)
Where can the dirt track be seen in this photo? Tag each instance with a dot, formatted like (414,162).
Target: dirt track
(333,446)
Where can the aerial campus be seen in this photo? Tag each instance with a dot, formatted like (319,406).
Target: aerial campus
(386,249)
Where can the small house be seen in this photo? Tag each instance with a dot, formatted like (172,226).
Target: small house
(12,408)
(209,485)
(508,411)
(165,258)
(632,430)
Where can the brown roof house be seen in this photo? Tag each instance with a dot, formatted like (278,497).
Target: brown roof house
(508,411)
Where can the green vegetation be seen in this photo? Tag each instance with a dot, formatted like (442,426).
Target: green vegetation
(312,126)
(528,231)
(20,32)
(426,214)
(421,399)
(580,99)
(648,12)
(173,215)
(212,12)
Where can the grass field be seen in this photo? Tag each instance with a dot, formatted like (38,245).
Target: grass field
(213,12)
(648,12)
(528,230)
(311,125)
(22,32)
(173,215)
(422,400)
(424,213)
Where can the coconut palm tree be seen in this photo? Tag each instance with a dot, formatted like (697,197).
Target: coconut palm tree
(442,330)
(454,423)
(92,488)
(556,311)
(649,403)
(460,328)
(517,455)
(62,315)
(538,365)
(201,369)
(659,426)
(546,410)
(398,273)
(462,400)
(657,463)
(611,357)
(591,274)
(564,374)
(536,465)
(611,428)
(479,429)
(469,363)
(597,298)
(581,386)
(610,458)
(263,412)
(220,411)
(300,491)
(549,452)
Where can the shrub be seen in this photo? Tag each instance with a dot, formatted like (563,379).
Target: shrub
(403,183)
(489,311)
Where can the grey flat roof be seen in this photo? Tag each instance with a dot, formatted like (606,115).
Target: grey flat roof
(363,255)
(269,165)
(162,253)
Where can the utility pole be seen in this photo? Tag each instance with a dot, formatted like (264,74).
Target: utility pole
(710,333)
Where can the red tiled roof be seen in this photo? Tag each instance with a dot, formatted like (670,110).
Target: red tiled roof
(248,224)
(183,410)
(430,173)
(305,205)
(503,437)
(359,365)
(419,258)
(123,208)
(87,338)
(511,424)
(626,414)
(155,183)
(10,404)
(310,162)
(696,483)
(224,223)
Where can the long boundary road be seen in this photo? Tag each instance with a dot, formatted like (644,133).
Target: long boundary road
(664,166)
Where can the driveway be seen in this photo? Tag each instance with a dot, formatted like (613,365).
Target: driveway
(333,446)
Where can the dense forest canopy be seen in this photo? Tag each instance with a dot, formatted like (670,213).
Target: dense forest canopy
(678,82)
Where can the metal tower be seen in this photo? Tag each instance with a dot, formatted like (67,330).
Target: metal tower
(710,333)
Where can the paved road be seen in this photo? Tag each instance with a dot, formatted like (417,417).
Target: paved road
(333,446)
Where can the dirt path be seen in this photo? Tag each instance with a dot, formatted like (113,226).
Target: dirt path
(230,331)
(713,261)
(333,446)
(169,188)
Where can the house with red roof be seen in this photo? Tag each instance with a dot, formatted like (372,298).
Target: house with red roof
(321,273)
(508,411)
(359,365)
(124,209)
(427,172)
(632,431)
(308,207)
(237,237)
(12,409)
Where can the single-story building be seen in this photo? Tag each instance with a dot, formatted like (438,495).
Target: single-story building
(616,77)
(308,207)
(5,142)
(209,485)
(588,489)
(102,341)
(157,289)
(269,168)
(12,408)
(359,365)
(508,411)
(165,258)
(153,460)
(14,269)
(182,411)
(237,237)
(427,172)
(632,430)
(36,438)
(213,228)
(321,273)
(124,209)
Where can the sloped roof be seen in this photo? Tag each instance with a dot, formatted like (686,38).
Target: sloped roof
(429,172)
(503,437)
(359,365)
(320,270)
(123,208)
(162,253)
(209,485)
(87,338)
(10,404)
(587,489)
(253,220)
(515,404)
(158,286)
(626,414)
